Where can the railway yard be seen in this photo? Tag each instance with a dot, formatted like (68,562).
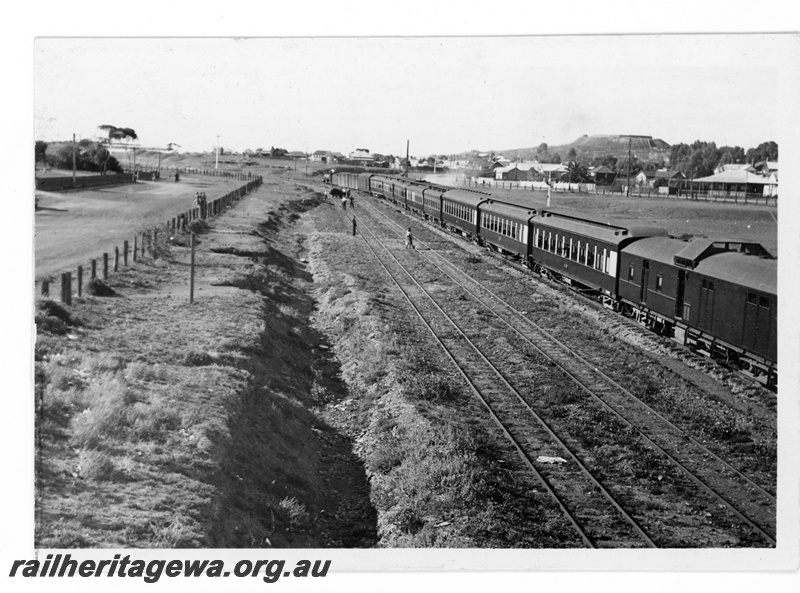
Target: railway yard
(444,396)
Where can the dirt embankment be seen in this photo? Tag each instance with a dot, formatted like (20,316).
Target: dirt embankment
(161,424)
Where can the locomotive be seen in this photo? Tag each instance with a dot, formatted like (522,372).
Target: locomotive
(719,297)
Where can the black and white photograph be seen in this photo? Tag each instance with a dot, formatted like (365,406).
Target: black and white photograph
(350,299)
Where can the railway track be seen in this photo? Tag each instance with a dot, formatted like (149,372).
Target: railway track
(594,513)
(698,469)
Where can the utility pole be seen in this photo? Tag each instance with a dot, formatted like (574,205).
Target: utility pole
(628,187)
(73,160)
(216,161)
(134,162)
(407,163)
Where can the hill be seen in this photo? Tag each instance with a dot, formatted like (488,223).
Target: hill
(587,147)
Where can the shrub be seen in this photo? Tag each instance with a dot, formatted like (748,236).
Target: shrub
(96,465)
(198,227)
(51,325)
(97,287)
(294,512)
(54,309)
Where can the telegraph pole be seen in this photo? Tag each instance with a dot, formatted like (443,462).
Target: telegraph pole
(628,187)
(407,163)
(73,160)
(216,161)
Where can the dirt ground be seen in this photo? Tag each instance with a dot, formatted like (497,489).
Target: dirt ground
(73,227)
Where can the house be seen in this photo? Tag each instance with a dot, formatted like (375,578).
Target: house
(767,167)
(738,182)
(321,156)
(735,167)
(296,154)
(602,175)
(650,178)
(361,156)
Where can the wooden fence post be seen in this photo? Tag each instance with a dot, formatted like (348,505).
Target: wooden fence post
(105,266)
(80,281)
(66,288)
(135,247)
(191,272)
(125,253)
(94,269)
(116,258)
(45,288)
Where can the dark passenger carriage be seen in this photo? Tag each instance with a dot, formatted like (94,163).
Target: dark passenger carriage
(460,210)
(581,248)
(718,296)
(432,202)
(506,227)
(381,185)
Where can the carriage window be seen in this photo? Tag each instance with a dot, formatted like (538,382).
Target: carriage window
(659,282)
(752,299)
(711,285)
(590,252)
(763,302)
(573,251)
(631,272)
(705,284)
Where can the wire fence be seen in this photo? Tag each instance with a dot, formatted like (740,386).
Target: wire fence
(147,244)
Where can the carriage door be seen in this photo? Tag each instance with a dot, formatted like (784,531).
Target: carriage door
(706,320)
(757,323)
(679,295)
(645,277)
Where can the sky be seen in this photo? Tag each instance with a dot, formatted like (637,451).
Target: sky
(444,95)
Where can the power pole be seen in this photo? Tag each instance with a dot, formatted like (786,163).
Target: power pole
(73,160)
(216,161)
(628,187)
(407,163)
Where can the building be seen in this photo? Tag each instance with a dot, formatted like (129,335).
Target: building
(296,154)
(650,178)
(738,183)
(602,175)
(321,156)
(361,156)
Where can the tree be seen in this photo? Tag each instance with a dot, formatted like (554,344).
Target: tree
(572,155)
(766,151)
(577,172)
(115,133)
(40,152)
(542,149)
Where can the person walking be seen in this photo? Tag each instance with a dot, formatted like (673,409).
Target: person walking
(409,239)
(344,202)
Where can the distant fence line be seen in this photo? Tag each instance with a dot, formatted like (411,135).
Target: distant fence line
(144,243)
(733,197)
(65,182)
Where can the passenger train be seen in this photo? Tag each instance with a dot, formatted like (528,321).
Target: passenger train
(719,297)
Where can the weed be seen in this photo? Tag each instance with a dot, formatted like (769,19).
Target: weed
(194,357)
(63,534)
(51,325)
(295,513)
(198,227)
(53,309)
(103,362)
(173,535)
(142,371)
(431,387)
(96,465)
(98,288)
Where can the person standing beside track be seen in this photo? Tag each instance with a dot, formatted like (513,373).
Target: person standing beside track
(409,239)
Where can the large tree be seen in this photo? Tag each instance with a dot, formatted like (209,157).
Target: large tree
(117,133)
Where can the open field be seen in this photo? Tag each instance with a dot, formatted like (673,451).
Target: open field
(75,226)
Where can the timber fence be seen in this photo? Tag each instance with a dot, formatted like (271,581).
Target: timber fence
(146,244)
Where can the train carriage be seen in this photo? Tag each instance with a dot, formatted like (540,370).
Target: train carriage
(432,202)
(381,186)
(362,182)
(460,210)
(506,227)
(718,296)
(582,249)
